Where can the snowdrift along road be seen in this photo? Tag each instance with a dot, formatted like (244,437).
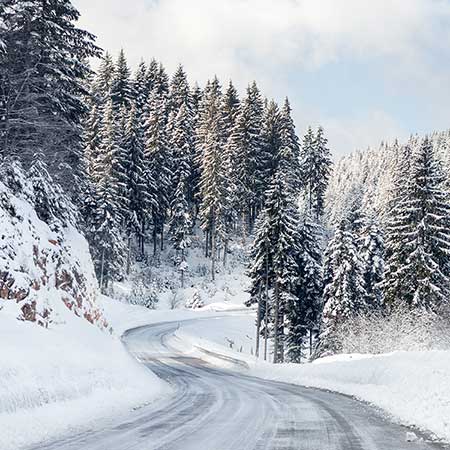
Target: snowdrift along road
(217,409)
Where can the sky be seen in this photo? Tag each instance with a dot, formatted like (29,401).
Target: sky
(366,70)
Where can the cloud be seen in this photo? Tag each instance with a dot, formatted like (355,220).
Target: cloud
(270,40)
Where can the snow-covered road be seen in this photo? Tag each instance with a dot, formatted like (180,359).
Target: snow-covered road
(217,409)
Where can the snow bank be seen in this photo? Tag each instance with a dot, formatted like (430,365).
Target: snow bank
(412,387)
(59,380)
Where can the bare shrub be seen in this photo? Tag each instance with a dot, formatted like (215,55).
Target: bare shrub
(401,329)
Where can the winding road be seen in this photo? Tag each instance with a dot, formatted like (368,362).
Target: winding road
(214,409)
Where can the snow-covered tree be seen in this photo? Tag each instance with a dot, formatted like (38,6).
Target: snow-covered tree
(344,294)
(121,86)
(418,237)
(42,73)
(316,168)
(158,174)
(372,251)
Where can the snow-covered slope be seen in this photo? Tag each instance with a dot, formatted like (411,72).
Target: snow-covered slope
(60,367)
(42,263)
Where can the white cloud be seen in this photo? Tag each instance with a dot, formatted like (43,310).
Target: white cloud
(269,39)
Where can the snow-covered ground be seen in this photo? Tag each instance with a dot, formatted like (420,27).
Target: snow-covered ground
(413,388)
(60,380)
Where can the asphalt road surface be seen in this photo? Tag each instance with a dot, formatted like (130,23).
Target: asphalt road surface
(215,409)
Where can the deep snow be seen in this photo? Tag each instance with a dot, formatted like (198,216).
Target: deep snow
(60,380)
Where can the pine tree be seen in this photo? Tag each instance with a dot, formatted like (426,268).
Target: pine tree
(158,173)
(92,141)
(271,137)
(418,238)
(344,293)
(284,221)
(104,234)
(135,174)
(180,226)
(152,75)
(141,88)
(316,168)
(229,110)
(181,143)
(289,150)
(103,80)
(373,265)
(306,304)
(121,87)
(180,92)
(42,72)
(245,151)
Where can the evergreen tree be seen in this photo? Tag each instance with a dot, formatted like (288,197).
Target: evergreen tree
(121,87)
(306,303)
(316,168)
(271,137)
(245,151)
(104,234)
(158,172)
(42,72)
(418,237)
(135,173)
(373,265)
(152,75)
(180,226)
(92,141)
(103,80)
(180,92)
(289,150)
(181,143)
(344,292)
(141,88)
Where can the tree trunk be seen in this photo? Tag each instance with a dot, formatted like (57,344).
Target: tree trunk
(102,269)
(266,313)
(277,321)
(162,237)
(182,272)
(258,323)
(129,254)
(213,253)
(207,244)
(155,247)
(225,251)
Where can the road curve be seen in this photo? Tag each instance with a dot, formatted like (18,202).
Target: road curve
(214,409)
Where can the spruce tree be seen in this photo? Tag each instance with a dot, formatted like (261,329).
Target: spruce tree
(104,233)
(180,226)
(306,304)
(121,86)
(246,145)
(289,150)
(271,137)
(158,174)
(418,237)
(135,175)
(373,265)
(180,92)
(42,73)
(344,294)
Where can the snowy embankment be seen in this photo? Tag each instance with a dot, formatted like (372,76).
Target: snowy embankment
(63,379)
(61,370)
(413,388)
